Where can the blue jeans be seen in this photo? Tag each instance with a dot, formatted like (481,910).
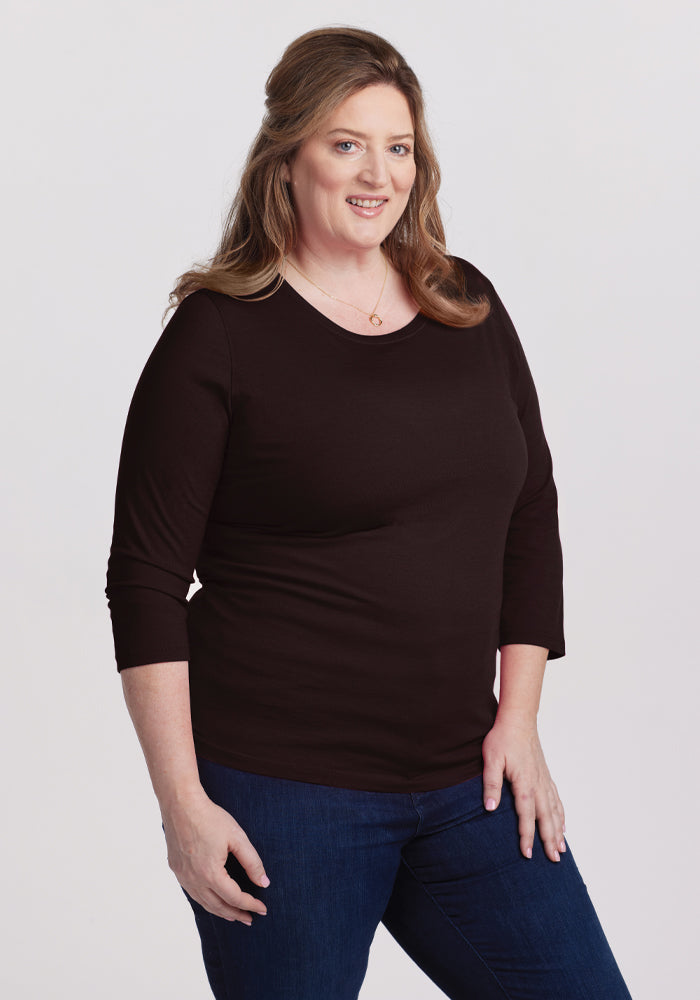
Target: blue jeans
(445,877)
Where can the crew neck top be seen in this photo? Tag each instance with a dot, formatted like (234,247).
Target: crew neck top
(382,338)
(371,518)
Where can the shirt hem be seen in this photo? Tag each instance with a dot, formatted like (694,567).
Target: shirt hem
(332,777)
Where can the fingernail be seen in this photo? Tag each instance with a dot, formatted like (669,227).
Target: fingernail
(490,804)
(556,855)
(528,852)
(264,881)
(562,846)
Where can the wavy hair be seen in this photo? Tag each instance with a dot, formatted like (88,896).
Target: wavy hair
(318,71)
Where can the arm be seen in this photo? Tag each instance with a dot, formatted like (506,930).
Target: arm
(174,443)
(199,834)
(512,748)
(531,626)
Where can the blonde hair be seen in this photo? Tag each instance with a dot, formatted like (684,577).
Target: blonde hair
(318,71)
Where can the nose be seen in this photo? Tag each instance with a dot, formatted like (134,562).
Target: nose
(374,169)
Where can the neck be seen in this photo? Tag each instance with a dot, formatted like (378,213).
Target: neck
(339,268)
(357,282)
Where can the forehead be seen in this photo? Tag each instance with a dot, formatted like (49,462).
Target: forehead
(379,107)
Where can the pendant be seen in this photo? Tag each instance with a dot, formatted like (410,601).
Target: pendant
(375,320)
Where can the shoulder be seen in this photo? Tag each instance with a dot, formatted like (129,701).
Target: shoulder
(193,343)
(238,313)
(199,308)
(477,283)
(196,321)
(499,319)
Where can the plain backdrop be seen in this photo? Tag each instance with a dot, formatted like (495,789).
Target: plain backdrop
(567,136)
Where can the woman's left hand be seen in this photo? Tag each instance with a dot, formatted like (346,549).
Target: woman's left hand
(513,749)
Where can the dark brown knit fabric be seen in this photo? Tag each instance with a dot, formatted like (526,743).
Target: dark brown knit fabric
(371,517)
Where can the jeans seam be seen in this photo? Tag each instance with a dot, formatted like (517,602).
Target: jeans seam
(461,934)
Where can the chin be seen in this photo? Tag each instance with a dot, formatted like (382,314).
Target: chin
(368,241)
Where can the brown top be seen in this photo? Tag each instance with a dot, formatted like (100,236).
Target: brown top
(370,517)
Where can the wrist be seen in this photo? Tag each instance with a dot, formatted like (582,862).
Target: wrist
(516,718)
(181,797)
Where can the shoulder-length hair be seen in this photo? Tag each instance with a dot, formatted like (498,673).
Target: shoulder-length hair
(318,71)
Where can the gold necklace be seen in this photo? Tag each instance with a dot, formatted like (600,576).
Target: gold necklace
(374,319)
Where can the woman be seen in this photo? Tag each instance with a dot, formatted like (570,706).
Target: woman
(339,429)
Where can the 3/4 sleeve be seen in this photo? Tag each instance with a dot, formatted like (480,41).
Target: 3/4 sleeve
(532,610)
(172,451)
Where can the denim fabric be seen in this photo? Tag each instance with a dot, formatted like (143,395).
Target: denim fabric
(444,876)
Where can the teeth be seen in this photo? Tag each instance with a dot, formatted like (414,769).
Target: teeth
(367,202)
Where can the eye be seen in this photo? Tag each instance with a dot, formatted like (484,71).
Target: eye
(401,149)
(345,145)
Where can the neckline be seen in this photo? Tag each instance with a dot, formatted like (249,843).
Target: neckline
(413,325)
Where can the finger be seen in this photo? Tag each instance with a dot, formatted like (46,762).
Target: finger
(213,903)
(249,858)
(230,892)
(526,810)
(493,782)
(559,819)
(547,822)
(562,825)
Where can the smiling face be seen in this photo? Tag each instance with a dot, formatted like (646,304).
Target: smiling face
(351,181)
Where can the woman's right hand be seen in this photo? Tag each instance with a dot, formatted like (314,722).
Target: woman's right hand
(199,836)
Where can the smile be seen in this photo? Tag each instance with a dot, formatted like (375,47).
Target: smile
(366,202)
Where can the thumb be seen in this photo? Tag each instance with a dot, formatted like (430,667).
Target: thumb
(249,858)
(493,783)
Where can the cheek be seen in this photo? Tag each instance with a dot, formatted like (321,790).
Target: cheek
(326,177)
(314,196)
(407,180)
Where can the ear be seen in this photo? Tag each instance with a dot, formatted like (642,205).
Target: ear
(286,173)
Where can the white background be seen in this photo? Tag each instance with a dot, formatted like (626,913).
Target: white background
(567,135)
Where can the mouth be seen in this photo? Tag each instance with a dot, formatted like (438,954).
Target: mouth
(366,202)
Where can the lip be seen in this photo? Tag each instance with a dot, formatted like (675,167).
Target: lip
(367,213)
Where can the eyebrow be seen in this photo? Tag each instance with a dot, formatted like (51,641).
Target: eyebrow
(361,135)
